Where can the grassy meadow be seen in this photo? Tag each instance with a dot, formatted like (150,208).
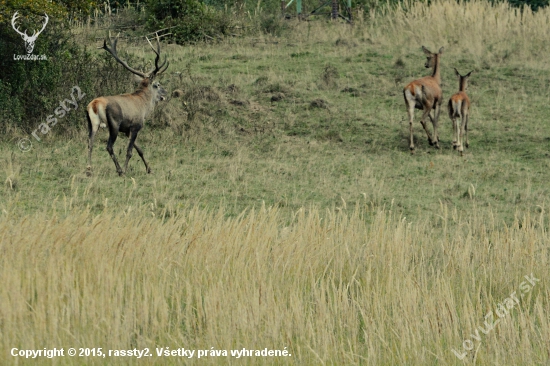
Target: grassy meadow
(285,210)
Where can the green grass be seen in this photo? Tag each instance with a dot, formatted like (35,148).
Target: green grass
(242,149)
(285,209)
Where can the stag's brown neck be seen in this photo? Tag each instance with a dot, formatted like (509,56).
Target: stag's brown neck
(143,91)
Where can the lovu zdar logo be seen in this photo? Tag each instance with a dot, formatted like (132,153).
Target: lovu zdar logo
(29,40)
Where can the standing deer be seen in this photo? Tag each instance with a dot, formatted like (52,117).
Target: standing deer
(459,108)
(126,112)
(425,94)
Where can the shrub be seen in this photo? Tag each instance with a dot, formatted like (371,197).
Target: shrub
(534,4)
(272,24)
(31,90)
(191,20)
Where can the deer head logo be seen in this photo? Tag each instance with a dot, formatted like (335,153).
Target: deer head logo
(29,40)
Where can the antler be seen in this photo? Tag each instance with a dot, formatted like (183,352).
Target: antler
(158,69)
(13,19)
(113,52)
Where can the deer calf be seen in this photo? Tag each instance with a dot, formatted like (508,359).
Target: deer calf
(425,94)
(459,108)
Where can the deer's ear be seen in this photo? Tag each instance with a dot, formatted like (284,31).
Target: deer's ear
(456,72)
(468,74)
(441,50)
(426,51)
(137,79)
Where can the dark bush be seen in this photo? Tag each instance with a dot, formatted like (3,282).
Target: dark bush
(272,24)
(534,4)
(32,87)
(190,20)
(30,91)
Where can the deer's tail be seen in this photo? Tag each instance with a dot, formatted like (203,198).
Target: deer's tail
(455,108)
(95,113)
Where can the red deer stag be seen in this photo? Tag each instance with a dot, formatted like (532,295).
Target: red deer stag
(126,112)
(459,108)
(425,94)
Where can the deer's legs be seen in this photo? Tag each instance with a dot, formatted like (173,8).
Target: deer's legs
(435,121)
(466,144)
(461,134)
(133,136)
(92,129)
(90,148)
(140,152)
(426,113)
(410,112)
(112,138)
(455,133)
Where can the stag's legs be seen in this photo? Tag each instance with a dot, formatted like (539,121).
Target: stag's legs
(112,138)
(90,148)
(92,131)
(140,152)
(133,136)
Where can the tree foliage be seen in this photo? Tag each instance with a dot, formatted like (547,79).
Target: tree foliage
(58,9)
(30,90)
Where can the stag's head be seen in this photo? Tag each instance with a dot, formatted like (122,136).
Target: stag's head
(147,79)
(157,91)
(431,57)
(29,40)
(161,92)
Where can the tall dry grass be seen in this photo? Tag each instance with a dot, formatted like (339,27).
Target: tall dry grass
(347,286)
(357,287)
(475,28)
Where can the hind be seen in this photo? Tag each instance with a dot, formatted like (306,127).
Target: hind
(459,108)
